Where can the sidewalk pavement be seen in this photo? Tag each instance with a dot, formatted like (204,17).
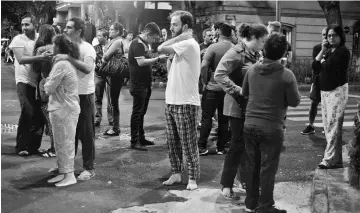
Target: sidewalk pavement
(331,192)
(292,196)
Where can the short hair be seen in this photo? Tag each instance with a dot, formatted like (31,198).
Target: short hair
(104,32)
(185,17)
(275,46)
(339,31)
(152,28)
(275,25)
(32,19)
(205,31)
(217,25)
(225,30)
(79,24)
(249,30)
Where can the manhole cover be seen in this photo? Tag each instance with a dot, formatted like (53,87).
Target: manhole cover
(8,128)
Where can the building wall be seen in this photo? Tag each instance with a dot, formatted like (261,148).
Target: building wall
(305,19)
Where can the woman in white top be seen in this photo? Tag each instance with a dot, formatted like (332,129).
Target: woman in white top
(64,108)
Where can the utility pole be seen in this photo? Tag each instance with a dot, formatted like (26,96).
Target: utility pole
(278,10)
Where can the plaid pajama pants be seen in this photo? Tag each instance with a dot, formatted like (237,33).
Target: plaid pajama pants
(182,138)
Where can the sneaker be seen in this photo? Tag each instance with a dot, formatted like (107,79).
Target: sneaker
(249,210)
(199,126)
(231,196)
(203,151)
(273,209)
(308,130)
(220,152)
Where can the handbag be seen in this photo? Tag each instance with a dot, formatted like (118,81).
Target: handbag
(116,65)
(315,90)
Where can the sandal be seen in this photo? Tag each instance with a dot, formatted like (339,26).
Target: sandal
(86,175)
(24,153)
(49,153)
(111,132)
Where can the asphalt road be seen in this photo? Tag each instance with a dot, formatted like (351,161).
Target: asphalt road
(125,177)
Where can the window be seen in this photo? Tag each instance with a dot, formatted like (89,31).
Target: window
(164,6)
(149,5)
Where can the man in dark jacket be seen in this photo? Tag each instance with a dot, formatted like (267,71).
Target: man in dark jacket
(314,92)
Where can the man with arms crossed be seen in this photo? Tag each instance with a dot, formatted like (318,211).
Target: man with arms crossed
(182,98)
(85,130)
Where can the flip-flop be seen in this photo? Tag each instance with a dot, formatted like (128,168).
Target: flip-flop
(83,176)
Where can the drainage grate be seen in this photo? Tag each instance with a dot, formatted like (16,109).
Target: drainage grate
(9,128)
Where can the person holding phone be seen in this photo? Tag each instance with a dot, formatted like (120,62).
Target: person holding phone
(332,64)
(140,81)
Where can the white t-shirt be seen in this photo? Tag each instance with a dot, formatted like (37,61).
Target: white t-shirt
(24,73)
(183,79)
(86,81)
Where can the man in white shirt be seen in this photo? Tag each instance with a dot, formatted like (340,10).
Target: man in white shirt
(85,65)
(31,124)
(182,98)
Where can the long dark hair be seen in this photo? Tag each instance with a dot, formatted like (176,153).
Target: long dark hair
(46,32)
(339,32)
(66,46)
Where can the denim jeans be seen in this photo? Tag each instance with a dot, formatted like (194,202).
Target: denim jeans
(115,84)
(85,130)
(31,122)
(211,101)
(141,97)
(263,146)
(100,87)
(236,159)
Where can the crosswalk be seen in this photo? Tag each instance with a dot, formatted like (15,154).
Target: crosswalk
(301,113)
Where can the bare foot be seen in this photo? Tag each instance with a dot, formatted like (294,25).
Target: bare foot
(69,179)
(175,178)
(191,185)
(58,178)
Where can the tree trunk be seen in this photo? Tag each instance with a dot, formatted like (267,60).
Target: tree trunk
(332,13)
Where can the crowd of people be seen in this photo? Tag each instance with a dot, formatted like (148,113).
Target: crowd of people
(242,77)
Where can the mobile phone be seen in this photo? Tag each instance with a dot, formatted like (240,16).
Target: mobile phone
(327,45)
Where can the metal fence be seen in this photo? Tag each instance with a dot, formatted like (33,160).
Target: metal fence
(303,71)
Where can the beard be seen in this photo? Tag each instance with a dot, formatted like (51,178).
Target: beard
(174,34)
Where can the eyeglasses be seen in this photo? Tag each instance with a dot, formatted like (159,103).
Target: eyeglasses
(332,35)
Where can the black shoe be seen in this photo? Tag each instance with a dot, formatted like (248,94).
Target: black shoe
(97,123)
(308,130)
(272,209)
(138,146)
(203,151)
(221,152)
(145,142)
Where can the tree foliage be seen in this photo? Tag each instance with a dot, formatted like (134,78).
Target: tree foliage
(331,11)
(44,11)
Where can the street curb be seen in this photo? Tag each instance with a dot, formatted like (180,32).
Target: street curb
(326,182)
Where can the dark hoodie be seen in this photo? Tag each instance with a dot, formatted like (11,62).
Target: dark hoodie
(271,88)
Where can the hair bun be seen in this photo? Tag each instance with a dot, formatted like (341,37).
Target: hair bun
(245,31)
